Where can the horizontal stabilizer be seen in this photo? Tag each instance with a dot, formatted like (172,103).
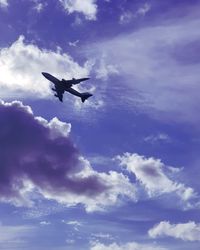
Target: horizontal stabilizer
(85,96)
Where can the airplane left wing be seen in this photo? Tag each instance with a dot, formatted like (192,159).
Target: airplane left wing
(77,81)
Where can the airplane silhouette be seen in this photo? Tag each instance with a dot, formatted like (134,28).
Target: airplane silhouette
(66,85)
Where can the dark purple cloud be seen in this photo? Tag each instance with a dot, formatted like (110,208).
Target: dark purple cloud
(28,151)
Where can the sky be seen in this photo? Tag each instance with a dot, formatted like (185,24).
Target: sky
(120,171)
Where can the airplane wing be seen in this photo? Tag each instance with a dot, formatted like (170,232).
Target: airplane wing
(77,81)
(71,82)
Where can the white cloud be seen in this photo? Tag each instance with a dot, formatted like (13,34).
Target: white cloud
(120,188)
(128,16)
(21,65)
(57,127)
(125,17)
(86,7)
(102,236)
(74,223)
(157,73)
(3,3)
(151,175)
(160,137)
(45,223)
(127,246)
(143,9)
(39,7)
(189,231)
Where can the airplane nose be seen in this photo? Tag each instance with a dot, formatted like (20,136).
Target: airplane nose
(44,74)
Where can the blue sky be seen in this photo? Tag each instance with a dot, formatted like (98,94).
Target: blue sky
(120,171)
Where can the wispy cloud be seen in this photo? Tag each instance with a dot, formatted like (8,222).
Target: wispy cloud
(143,9)
(74,44)
(162,71)
(45,223)
(39,6)
(160,137)
(16,237)
(128,16)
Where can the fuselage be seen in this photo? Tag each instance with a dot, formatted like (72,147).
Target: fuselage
(50,77)
(64,84)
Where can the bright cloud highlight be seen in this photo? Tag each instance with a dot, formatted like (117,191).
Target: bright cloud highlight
(189,231)
(86,7)
(21,65)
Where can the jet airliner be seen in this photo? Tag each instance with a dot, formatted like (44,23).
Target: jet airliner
(66,85)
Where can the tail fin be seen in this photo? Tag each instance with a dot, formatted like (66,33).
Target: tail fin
(85,96)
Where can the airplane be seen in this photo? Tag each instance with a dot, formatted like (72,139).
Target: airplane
(66,85)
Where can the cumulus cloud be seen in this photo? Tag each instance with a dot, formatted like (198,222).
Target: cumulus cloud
(41,156)
(120,188)
(3,3)
(151,174)
(189,231)
(21,65)
(86,7)
(127,246)
(38,156)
